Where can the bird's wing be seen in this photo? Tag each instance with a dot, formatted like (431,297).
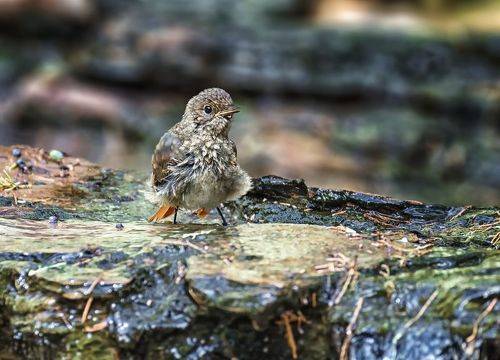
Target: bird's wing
(166,155)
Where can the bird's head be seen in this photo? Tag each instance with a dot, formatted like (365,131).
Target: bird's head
(211,110)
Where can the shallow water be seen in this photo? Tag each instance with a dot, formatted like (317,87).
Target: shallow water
(274,254)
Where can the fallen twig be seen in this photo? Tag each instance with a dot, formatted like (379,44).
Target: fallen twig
(471,339)
(93,285)
(88,304)
(65,320)
(488,226)
(314,300)
(336,263)
(345,286)
(414,319)
(185,243)
(419,251)
(301,319)
(349,330)
(461,212)
(351,274)
(97,327)
(289,336)
(383,219)
(286,319)
(339,212)
(197,299)
(86,309)
(496,239)
(422,310)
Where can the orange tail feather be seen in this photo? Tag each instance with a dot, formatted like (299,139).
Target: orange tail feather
(162,213)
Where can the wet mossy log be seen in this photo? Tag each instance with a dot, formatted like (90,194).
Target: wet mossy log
(301,271)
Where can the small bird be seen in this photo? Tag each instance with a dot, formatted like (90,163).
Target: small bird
(195,163)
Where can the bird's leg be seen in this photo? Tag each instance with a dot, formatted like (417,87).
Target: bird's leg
(224,222)
(175,215)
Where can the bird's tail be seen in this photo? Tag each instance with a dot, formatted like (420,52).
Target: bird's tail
(162,213)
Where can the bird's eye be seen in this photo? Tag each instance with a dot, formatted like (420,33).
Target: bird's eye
(207,109)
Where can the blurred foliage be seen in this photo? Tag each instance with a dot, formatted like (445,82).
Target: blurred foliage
(388,102)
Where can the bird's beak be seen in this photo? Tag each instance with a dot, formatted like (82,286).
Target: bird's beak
(228,113)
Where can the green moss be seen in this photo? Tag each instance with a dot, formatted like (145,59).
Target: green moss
(80,345)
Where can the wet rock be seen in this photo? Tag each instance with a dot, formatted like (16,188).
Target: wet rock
(424,273)
(16,152)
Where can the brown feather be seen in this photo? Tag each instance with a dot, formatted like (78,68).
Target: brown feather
(164,156)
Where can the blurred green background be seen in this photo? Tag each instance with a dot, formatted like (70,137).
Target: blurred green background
(394,97)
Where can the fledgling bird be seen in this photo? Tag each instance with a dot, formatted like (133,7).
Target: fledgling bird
(195,165)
